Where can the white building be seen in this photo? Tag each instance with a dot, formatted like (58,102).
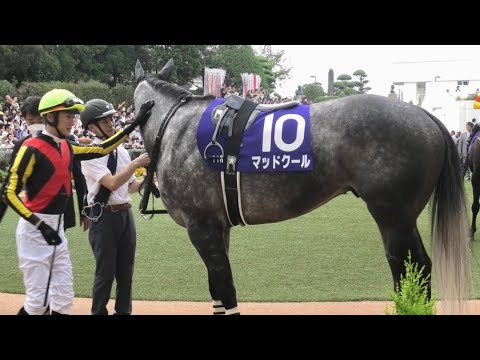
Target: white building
(442,87)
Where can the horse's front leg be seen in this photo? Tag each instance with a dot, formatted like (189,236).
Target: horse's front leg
(211,239)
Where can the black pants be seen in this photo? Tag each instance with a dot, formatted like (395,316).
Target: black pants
(113,241)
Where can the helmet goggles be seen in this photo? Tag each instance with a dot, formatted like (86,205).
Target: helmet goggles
(70,103)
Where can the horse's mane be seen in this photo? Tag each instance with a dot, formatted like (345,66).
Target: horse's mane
(171,90)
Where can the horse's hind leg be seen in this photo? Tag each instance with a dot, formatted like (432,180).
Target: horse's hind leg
(398,240)
(211,240)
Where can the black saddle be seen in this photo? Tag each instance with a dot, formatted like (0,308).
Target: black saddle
(226,113)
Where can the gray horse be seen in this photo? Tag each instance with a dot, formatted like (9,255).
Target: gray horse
(392,155)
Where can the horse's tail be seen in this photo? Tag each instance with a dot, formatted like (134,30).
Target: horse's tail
(449,230)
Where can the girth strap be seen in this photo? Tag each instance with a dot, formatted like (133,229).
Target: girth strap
(231,153)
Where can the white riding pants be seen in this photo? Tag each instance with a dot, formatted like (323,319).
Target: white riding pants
(35,258)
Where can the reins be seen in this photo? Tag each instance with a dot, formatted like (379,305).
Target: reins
(150,188)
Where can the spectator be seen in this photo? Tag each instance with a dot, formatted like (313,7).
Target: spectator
(462,148)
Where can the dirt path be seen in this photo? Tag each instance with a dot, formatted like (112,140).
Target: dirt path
(10,303)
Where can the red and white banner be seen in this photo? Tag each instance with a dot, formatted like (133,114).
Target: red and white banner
(213,81)
(250,82)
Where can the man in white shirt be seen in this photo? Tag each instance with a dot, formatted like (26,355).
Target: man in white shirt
(112,233)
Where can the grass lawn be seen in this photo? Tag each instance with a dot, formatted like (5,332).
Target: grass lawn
(334,253)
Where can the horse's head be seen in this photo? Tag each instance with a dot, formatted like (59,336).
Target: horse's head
(167,96)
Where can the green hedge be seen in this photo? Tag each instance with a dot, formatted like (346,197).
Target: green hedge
(6,88)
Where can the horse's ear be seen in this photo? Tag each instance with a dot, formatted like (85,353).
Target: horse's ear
(139,72)
(167,70)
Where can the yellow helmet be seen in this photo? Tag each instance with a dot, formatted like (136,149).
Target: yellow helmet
(59,100)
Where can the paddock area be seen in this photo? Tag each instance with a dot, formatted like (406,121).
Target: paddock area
(10,303)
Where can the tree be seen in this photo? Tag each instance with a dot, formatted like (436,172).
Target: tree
(188,59)
(235,59)
(279,71)
(191,64)
(268,79)
(114,64)
(313,91)
(118,63)
(68,61)
(79,62)
(361,75)
(345,86)
(27,63)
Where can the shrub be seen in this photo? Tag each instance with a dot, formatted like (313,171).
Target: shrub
(6,88)
(411,298)
(32,89)
(92,89)
(121,93)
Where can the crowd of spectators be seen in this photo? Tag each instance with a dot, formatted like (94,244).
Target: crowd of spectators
(13,126)
(259,95)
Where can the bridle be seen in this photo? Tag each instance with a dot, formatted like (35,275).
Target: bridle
(149,186)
